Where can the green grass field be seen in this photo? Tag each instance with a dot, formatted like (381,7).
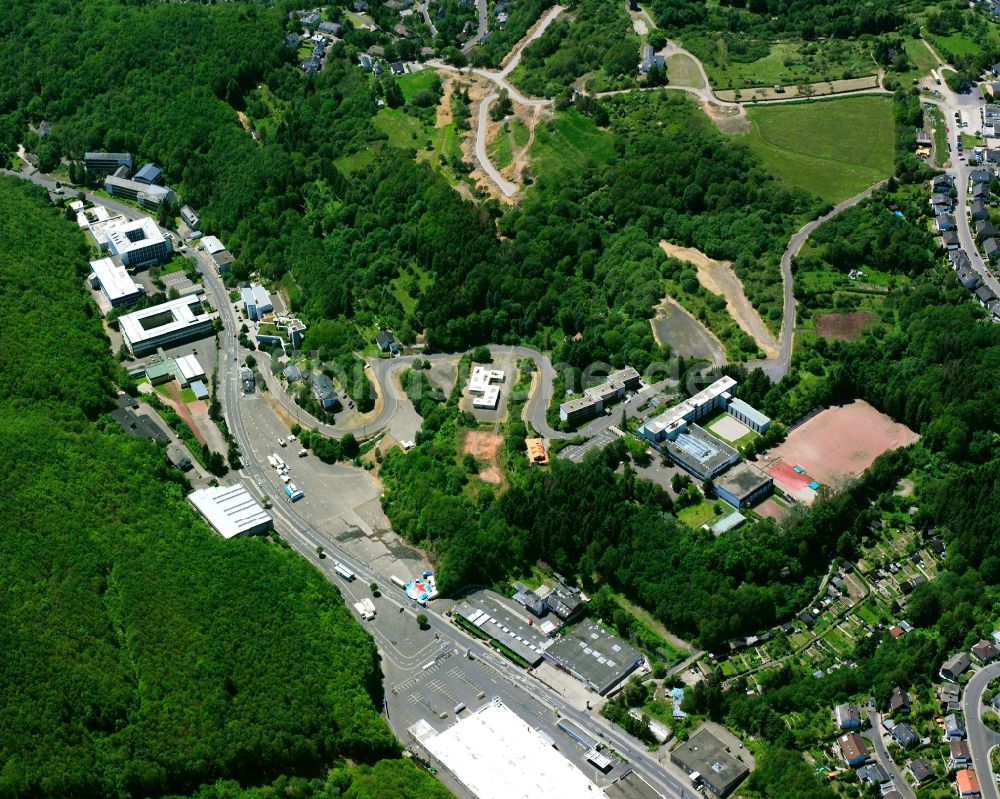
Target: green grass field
(403,130)
(702,513)
(786,63)
(940,134)
(572,141)
(920,56)
(499,150)
(956,43)
(682,71)
(831,148)
(413,82)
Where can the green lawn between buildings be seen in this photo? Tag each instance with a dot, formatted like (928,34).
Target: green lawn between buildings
(831,148)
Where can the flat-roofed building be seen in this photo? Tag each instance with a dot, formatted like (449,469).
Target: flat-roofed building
(115,281)
(495,754)
(138,243)
(594,656)
(702,404)
(189,216)
(212,245)
(743,485)
(699,452)
(504,622)
(164,325)
(481,386)
(749,415)
(231,511)
(188,370)
(596,398)
(146,195)
(708,757)
(107,163)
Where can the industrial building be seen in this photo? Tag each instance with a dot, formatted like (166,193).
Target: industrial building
(594,656)
(497,755)
(709,761)
(699,452)
(164,325)
(148,196)
(702,404)
(138,243)
(597,398)
(744,485)
(231,511)
(256,301)
(107,163)
(114,280)
(505,623)
(487,395)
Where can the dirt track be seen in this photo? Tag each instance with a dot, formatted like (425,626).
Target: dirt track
(719,278)
(686,336)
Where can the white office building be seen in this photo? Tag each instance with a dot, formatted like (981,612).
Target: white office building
(256,301)
(138,243)
(188,370)
(190,217)
(231,511)
(115,281)
(481,386)
(164,325)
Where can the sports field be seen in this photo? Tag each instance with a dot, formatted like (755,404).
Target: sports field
(831,148)
(838,444)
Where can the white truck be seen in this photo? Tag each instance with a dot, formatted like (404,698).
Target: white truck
(343,571)
(365,609)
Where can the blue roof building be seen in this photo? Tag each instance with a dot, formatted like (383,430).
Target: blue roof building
(150,174)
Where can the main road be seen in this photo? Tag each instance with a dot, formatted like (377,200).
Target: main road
(305,539)
(981,738)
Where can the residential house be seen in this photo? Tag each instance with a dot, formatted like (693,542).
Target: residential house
(967,784)
(969,279)
(995,702)
(874,773)
(921,770)
(985,296)
(943,183)
(899,702)
(945,222)
(385,340)
(980,176)
(398,68)
(292,374)
(985,651)
(365,61)
(986,230)
(332,28)
(991,249)
(311,19)
(904,735)
(942,203)
(949,693)
(980,191)
(955,666)
(950,240)
(402,31)
(376,51)
(923,139)
(847,716)
(979,211)
(651,59)
(995,70)
(853,749)
(960,260)
(907,586)
(312,65)
(991,113)
(954,727)
(323,391)
(959,755)
(292,39)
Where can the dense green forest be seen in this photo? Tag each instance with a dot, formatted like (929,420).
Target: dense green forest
(335,240)
(143,654)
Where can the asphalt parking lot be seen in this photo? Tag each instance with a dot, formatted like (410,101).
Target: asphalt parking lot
(577,452)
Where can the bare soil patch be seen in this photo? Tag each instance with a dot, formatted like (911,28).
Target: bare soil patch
(729,120)
(686,336)
(483,446)
(843,326)
(838,444)
(719,278)
(444,116)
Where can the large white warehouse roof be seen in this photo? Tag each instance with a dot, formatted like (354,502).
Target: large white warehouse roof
(497,755)
(231,510)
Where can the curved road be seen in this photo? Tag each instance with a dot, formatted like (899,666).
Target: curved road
(981,738)
(777,368)
(874,734)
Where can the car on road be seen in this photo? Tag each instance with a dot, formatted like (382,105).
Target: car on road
(291,438)
(282,442)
